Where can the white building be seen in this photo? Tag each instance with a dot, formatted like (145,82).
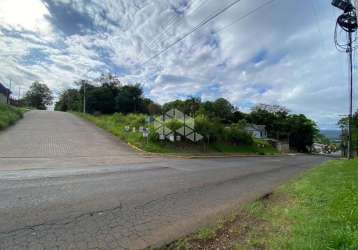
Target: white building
(257,131)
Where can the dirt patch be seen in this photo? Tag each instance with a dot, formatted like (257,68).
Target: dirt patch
(244,229)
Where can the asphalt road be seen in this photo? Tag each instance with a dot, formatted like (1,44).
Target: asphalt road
(65,184)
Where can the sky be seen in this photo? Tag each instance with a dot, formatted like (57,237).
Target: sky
(282,53)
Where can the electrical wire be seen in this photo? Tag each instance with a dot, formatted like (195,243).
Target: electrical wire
(197,27)
(174,20)
(246,15)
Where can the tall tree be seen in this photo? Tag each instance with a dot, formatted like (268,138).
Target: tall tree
(39,96)
(302,132)
(70,100)
(220,109)
(129,99)
(343,124)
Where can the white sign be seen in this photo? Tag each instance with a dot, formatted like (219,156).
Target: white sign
(171,138)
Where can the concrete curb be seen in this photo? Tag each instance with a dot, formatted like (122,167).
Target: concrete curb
(149,154)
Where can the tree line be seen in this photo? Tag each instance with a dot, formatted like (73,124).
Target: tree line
(110,96)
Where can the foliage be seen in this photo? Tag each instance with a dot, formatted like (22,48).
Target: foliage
(190,106)
(100,100)
(302,132)
(116,124)
(322,139)
(237,135)
(9,115)
(152,107)
(38,96)
(71,99)
(297,129)
(219,109)
(107,95)
(343,124)
(174,124)
(274,117)
(212,130)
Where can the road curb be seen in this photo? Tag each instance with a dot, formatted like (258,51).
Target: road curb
(150,154)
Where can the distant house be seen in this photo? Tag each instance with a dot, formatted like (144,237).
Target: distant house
(4,92)
(257,131)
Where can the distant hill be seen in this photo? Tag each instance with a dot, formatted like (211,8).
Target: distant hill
(331,134)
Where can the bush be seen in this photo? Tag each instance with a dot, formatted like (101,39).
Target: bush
(212,130)
(153,135)
(174,125)
(135,120)
(238,136)
(9,115)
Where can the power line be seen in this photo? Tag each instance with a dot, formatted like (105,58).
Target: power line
(175,20)
(315,14)
(197,27)
(246,15)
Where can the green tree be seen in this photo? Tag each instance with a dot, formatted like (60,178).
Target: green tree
(177,104)
(211,129)
(38,96)
(274,117)
(302,132)
(100,100)
(70,100)
(343,124)
(322,139)
(220,109)
(153,108)
(129,99)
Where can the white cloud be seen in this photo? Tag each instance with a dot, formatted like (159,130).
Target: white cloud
(299,68)
(29,15)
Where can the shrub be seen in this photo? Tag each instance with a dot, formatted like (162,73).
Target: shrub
(134,120)
(153,135)
(9,115)
(174,125)
(118,118)
(238,136)
(212,130)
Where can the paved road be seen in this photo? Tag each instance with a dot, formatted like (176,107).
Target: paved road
(56,139)
(71,197)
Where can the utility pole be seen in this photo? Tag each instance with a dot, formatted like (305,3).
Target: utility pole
(8,94)
(84,95)
(350,69)
(19,93)
(348,22)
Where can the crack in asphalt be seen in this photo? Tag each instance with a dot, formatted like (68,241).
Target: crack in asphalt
(163,198)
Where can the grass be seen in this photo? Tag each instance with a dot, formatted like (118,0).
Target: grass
(116,124)
(319,210)
(264,149)
(9,115)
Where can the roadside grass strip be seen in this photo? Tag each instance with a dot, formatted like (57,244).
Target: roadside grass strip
(9,115)
(318,210)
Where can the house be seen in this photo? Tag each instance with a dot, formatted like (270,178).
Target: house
(257,131)
(4,92)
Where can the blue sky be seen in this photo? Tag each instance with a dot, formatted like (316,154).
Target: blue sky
(282,54)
